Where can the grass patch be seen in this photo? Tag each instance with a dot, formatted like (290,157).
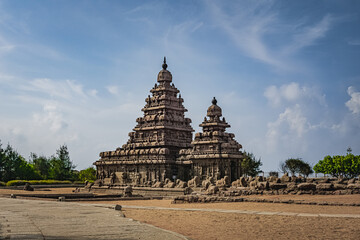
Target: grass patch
(2,184)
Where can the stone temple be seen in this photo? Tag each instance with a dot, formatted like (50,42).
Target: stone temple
(161,145)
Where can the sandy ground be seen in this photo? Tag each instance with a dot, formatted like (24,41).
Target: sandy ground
(215,225)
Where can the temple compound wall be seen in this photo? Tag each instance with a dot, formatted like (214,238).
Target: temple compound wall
(160,147)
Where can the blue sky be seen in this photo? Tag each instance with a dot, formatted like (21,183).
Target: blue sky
(286,73)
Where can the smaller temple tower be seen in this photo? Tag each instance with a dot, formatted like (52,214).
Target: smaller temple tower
(215,153)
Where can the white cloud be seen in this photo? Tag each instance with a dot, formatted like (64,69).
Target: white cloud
(67,89)
(292,120)
(292,93)
(93,92)
(113,90)
(51,118)
(354,103)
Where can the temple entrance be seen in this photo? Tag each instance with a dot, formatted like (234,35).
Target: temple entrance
(233,168)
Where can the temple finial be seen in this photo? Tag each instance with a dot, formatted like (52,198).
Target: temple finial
(164,66)
(214,101)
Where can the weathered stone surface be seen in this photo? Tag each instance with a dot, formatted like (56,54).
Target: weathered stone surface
(180,184)
(285,178)
(277,186)
(158,184)
(225,181)
(291,186)
(353,186)
(325,180)
(161,145)
(352,181)
(27,187)
(325,186)
(241,182)
(213,189)
(338,186)
(307,186)
(272,179)
(195,182)
(128,191)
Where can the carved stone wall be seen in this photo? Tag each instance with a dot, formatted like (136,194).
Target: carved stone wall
(160,145)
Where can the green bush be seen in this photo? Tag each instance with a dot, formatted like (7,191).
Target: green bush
(36,182)
(2,184)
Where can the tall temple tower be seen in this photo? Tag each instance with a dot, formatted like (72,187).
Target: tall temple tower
(151,151)
(215,153)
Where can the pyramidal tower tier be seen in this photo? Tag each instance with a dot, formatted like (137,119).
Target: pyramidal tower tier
(214,153)
(151,150)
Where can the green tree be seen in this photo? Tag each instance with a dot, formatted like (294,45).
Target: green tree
(305,169)
(347,166)
(61,167)
(14,166)
(250,165)
(87,174)
(296,166)
(41,165)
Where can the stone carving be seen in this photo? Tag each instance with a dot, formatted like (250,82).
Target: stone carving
(180,184)
(195,182)
(160,146)
(224,182)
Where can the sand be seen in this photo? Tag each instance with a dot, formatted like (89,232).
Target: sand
(216,225)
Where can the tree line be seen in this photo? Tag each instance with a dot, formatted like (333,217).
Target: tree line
(59,166)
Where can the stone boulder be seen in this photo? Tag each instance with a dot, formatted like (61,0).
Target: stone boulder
(285,178)
(324,180)
(353,186)
(352,181)
(277,186)
(338,186)
(325,186)
(263,185)
(291,186)
(307,186)
(273,179)
(341,181)
(259,178)
(128,191)
(27,187)
(212,189)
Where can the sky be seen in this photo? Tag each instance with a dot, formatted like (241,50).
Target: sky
(285,73)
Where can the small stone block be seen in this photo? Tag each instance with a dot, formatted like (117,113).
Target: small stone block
(61,199)
(118,207)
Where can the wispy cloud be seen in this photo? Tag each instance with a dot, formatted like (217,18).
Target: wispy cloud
(354,42)
(252,24)
(113,90)
(304,36)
